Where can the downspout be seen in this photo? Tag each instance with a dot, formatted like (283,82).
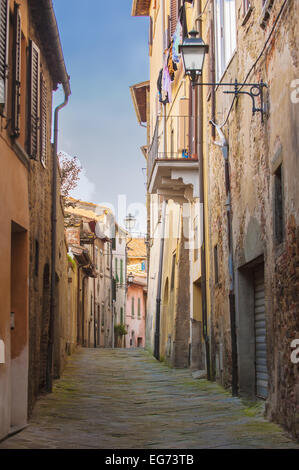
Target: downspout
(203,218)
(64,79)
(83,308)
(159,287)
(225,151)
(164,105)
(94,302)
(112,302)
(53,240)
(78,305)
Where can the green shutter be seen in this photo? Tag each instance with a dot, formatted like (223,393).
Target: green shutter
(121,272)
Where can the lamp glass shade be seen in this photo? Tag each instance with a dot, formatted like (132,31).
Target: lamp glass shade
(130,222)
(193,57)
(130,278)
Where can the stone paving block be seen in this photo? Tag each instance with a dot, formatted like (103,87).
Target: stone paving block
(123,399)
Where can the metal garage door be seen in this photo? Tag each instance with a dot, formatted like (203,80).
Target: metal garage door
(261,372)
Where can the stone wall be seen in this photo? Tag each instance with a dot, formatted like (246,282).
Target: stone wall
(256,149)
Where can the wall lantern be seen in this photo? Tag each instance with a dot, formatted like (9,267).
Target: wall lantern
(130,221)
(130,278)
(193,51)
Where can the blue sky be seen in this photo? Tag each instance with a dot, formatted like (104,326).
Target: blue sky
(105,51)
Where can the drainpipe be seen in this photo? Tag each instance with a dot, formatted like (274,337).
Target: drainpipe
(202,203)
(225,151)
(78,305)
(53,240)
(94,301)
(83,308)
(112,303)
(63,78)
(159,288)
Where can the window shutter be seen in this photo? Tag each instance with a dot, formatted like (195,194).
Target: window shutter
(43,120)
(121,272)
(150,38)
(174,10)
(35,102)
(16,72)
(4,22)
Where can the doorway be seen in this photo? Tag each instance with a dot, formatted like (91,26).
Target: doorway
(18,326)
(252,330)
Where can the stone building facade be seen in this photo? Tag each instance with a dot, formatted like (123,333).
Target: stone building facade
(253,204)
(31,67)
(244,296)
(88,234)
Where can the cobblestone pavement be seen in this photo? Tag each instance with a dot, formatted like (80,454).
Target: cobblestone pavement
(125,399)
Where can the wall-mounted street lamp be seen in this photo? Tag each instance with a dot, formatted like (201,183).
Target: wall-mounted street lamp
(193,51)
(130,222)
(130,278)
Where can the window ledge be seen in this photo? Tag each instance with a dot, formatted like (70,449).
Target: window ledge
(21,154)
(226,69)
(266,13)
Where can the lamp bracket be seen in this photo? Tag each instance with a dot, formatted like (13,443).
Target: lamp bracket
(255,91)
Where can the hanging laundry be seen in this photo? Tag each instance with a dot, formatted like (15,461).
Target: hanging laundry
(172,67)
(166,83)
(163,96)
(177,40)
(166,79)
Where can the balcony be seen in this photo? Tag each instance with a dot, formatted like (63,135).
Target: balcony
(172,167)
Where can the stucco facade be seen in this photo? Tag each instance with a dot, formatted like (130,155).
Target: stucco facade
(27,78)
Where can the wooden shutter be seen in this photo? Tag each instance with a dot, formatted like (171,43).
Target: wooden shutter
(43,121)
(4,22)
(34,101)
(16,72)
(150,37)
(173,15)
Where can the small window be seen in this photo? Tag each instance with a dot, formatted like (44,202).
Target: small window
(173,271)
(4,22)
(225,34)
(116,270)
(278,205)
(133,307)
(216,271)
(36,264)
(139,307)
(196,239)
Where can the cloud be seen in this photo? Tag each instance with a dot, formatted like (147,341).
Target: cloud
(85,190)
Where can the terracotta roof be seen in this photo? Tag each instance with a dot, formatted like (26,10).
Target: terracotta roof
(141,7)
(88,214)
(138,93)
(137,248)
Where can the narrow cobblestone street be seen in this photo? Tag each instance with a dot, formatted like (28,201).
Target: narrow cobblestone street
(125,399)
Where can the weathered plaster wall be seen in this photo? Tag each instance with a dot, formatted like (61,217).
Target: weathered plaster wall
(255,150)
